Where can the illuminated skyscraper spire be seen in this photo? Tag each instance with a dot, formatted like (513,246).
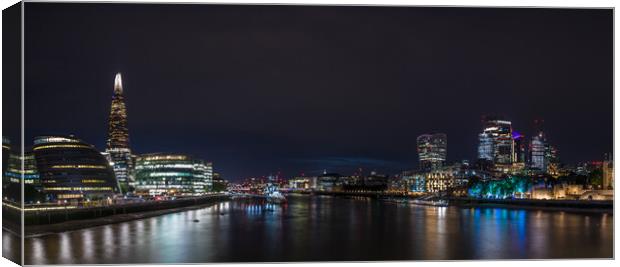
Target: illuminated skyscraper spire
(118,84)
(118,150)
(118,134)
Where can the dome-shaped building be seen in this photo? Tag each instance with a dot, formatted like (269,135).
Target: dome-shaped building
(72,169)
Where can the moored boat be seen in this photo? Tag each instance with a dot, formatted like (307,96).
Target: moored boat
(438,203)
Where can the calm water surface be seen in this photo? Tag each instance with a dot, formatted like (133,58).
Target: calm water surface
(330,229)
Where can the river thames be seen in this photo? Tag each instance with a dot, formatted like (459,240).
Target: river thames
(323,228)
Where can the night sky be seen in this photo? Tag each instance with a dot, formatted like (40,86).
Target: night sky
(262,89)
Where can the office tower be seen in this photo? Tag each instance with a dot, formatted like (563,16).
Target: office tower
(496,142)
(118,138)
(432,150)
(485,146)
(519,147)
(538,149)
(169,174)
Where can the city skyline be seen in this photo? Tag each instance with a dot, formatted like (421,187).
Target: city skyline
(118,141)
(277,112)
(208,133)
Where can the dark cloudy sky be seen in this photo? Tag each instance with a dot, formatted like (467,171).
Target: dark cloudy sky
(261,89)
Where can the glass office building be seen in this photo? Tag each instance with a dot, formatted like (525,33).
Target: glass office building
(14,172)
(69,168)
(171,175)
(538,152)
(496,142)
(432,150)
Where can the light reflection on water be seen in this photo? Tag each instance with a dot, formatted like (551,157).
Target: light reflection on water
(329,229)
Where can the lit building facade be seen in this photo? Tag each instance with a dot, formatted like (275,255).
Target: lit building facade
(445,179)
(538,149)
(118,138)
(170,174)
(218,183)
(329,181)
(432,150)
(69,168)
(14,172)
(299,183)
(6,152)
(608,173)
(208,176)
(496,142)
(416,181)
(485,147)
(439,180)
(520,153)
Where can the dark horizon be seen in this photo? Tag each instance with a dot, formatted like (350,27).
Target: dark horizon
(262,89)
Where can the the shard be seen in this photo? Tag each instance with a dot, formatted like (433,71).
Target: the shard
(117,148)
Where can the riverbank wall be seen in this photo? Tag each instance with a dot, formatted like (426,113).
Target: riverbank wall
(605,206)
(567,205)
(362,194)
(48,217)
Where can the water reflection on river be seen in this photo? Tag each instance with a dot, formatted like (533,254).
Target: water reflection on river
(330,229)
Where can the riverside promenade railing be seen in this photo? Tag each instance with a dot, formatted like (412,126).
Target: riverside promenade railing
(39,214)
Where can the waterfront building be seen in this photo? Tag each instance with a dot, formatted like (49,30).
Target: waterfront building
(169,174)
(208,176)
(6,152)
(432,150)
(118,138)
(199,186)
(569,192)
(538,158)
(396,184)
(376,181)
(608,172)
(329,181)
(218,183)
(416,181)
(598,195)
(70,168)
(314,182)
(299,183)
(14,172)
(351,180)
(446,178)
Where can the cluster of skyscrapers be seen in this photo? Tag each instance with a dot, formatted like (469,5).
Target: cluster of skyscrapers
(500,149)
(63,168)
(507,150)
(502,152)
